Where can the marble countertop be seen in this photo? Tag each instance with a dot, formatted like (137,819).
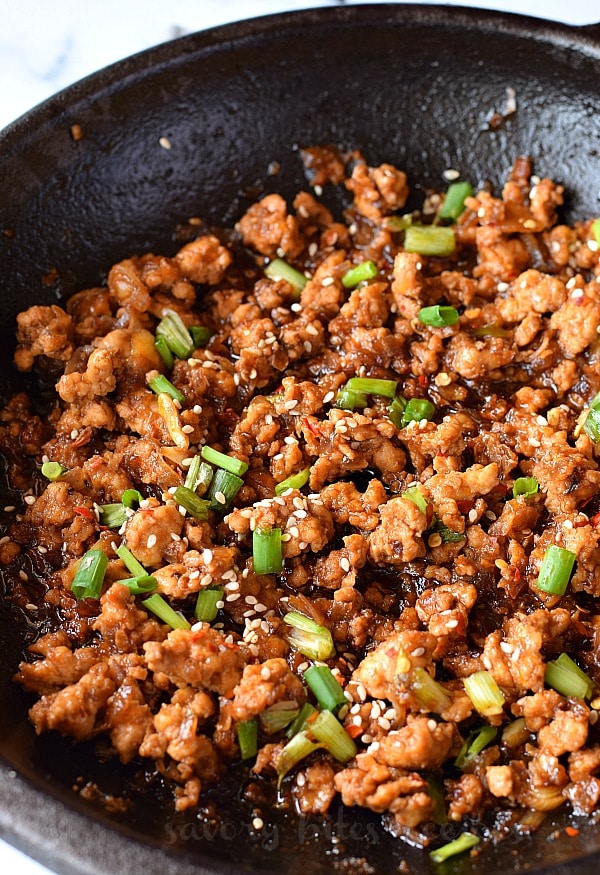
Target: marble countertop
(45,46)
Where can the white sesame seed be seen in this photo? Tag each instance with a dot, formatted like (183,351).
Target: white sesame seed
(206,580)
(23,575)
(258,823)
(265,672)
(251,600)
(592,245)
(187,429)
(418,651)
(345,564)
(451,624)
(361,692)
(220,497)
(289,405)
(151,542)
(286,537)
(328,397)
(487,662)
(31,607)
(186,463)
(366,738)
(431,725)
(307,346)
(303,666)
(296,308)
(472,515)
(233,597)
(207,556)
(29,499)
(300,779)
(385,724)
(318,189)
(593,718)
(197,409)
(375,711)
(164,143)
(357,721)
(313,249)
(450,174)
(194,574)
(9,508)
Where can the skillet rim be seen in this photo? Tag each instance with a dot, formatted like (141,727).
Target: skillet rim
(45,822)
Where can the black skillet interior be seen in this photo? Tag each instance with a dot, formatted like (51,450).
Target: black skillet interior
(416,86)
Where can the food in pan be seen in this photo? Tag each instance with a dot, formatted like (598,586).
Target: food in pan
(318,500)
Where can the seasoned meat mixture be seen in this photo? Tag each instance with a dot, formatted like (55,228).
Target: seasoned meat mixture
(322,497)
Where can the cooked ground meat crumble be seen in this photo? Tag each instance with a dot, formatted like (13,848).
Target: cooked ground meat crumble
(416,543)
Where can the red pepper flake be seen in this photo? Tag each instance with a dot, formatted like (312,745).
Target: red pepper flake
(423,381)
(85,512)
(310,426)
(571,831)
(595,520)
(352,730)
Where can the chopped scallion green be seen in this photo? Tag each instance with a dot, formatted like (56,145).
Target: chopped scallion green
(429,240)
(176,335)
(491,329)
(223,489)
(359,274)
(484,692)
(555,570)
(463,843)
(165,612)
(438,316)
(348,400)
(200,335)
(298,748)
(295,481)
(112,515)
(227,463)
(330,732)
(565,676)
(306,711)
(163,350)
(130,562)
(140,585)
(278,269)
(454,202)
(414,494)
(416,410)
(89,577)
(308,637)
(196,506)
(399,223)
(160,384)
(53,470)
(525,487)
(477,741)
(247,736)
(278,716)
(591,426)
(266,551)
(326,688)
(371,386)
(131,499)
(446,534)
(516,733)
(208,603)
(396,410)
(429,693)
(595,229)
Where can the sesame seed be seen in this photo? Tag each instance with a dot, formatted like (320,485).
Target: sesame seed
(534,442)
(233,597)
(194,574)
(186,463)
(431,725)
(418,651)
(390,714)
(289,405)
(385,724)
(301,779)
(307,346)
(345,564)
(296,308)
(206,580)
(361,692)
(187,429)
(313,249)
(487,662)
(328,281)
(451,624)
(502,287)
(593,718)
(357,721)
(232,586)
(207,556)
(366,738)
(251,600)
(312,329)
(164,143)
(328,397)
(23,575)
(197,408)
(303,545)
(220,497)
(258,823)
(31,607)
(472,515)
(303,666)
(29,499)
(265,672)
(593,246)
(375,711)
(450,174)
(151,542)
(286,537)
(9,508)
(318,189)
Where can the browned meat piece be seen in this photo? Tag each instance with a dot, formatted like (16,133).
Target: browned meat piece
(398,537)
(97,379)
(201,658)
(374,785)
(466,797)
(531,292)
(538,709)
(268,228)
(567,731)
(421,744)
(264,685)
(43,331)
(347,505)
(196,570)
(377,191)
(451,487)
(204,260)
(122,626)
(60,668)
(584,763)
(314,788)
(76,709)
(377,671)
(445,610)
(128,719)
(148,533)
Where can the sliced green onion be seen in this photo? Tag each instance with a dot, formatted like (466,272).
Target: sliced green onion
(328,730)
(595,229)
(295,481)
(464,842)
(326,688)
(297,749)
(416,410)
(160,384)
(359,274)
(438,316)
(132,499)
(454,202)
(208,603)
(347,400)
(247,736)
(53,470)
(555,571)
(474,744)
(278,269)
(306,711)
(278,716)
(140,585)
(399,223)
(112,515)
(89,577)
(308,637)
(266,551)
(370,386)
(429,693)
(484,692)
(223,489)
(413,493)
(491,329)
(515,733)
(200,335)
(435,790)
(525,486)
(199,476)
(163,350)
(130,562)
(196,506)
(565,676)
(591,426)
(446,534)
(165,612)
(227,463)
(429,240)
(396,410)
(176,335)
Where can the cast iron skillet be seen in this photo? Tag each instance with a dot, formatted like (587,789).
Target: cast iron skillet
(412,85)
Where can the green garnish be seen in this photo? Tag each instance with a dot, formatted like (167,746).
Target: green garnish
(140,585)
(326,688)
(223,489)
(199,476)
(208,602)
(525,487)
(227,463)
(298,748)
(396,410)
(278,269)
(112,515)
(438,316)
(130,562)
(247,736)
(165,612)
(200,335)
(160,384)
(416,410)
(278,716)
(429,693)
(330,732)
(484,693)
(371,386)
(474,744)
(413,493)
(176,335)
(132,499)
(359,274)
(348,400)
(165,353)
(196,506)
(454,202)
(308,637)
(266,551)
(306,711)
(464,842)
(53,470)
(429,240)
(295,481)
(555,571)
(564,675)
(89,577)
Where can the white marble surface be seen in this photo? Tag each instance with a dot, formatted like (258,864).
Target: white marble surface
(46,45)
